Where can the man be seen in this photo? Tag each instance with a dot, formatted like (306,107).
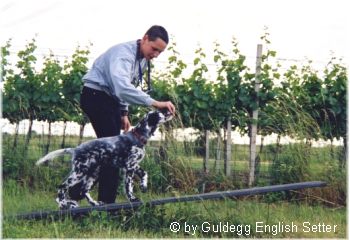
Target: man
(111,85)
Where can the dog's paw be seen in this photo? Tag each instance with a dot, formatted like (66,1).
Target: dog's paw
(143,188)
(96,203)
(100,203)
(64,206)
(72,204)
(134,199)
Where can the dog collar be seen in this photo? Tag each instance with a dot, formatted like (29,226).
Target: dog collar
(138,136)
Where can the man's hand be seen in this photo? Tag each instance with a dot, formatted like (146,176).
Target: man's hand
(125,123)
(169,105)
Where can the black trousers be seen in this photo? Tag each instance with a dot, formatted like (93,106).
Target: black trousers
(103,112)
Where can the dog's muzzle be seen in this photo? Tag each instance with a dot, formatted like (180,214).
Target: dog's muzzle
(167,114)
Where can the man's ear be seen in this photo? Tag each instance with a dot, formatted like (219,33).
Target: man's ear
(145,38)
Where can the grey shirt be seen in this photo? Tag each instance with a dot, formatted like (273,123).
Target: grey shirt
(116,72)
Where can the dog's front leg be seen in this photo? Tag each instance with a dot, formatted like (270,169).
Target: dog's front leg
(91,201)
(129,185)
(136,155)
(144,179)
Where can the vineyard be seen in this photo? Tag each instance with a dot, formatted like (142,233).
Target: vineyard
(298,102)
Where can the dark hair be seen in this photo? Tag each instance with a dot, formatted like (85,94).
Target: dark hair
(157,31)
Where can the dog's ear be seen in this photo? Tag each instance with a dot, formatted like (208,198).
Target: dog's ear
(153,118)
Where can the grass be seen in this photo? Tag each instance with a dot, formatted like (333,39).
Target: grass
(155,222)
(27,188)
(240,154)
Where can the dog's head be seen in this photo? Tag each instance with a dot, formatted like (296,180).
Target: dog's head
(159,116)
(152,120)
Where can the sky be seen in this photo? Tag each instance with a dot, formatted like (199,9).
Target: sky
(299,29)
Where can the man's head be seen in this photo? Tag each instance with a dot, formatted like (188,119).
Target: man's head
(154,42)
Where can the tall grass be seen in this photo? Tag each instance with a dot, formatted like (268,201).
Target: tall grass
(155,222)
(175,166)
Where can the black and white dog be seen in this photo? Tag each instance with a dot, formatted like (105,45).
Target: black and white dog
(124,151)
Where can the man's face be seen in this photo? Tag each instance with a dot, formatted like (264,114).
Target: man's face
(152,49)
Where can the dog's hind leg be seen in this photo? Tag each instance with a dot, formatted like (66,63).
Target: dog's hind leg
(61,199)
(89,184)
(91,201)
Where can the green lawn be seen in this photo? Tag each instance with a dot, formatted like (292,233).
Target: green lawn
(246,218)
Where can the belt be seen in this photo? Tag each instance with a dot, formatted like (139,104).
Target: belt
(96,87)
(93,86)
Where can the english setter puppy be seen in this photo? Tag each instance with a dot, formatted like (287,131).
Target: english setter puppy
(125,151)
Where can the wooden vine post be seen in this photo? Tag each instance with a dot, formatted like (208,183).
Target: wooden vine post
(254,125)
(206,155)
(228,143)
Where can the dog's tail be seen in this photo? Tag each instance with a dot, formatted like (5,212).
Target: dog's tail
(54,154)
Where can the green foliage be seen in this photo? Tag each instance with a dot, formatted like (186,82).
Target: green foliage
(323,98)
(72,84)
(291,164)
(22,89)
(49,95)
(234,92)
(5,68)
(205,104)
(332,115)
(299,103)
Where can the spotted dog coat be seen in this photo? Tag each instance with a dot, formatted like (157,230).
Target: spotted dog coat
(124,151)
